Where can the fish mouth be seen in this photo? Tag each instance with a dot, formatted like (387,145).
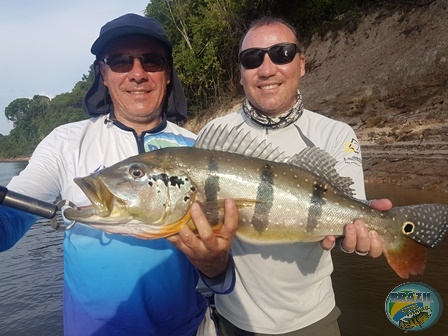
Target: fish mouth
(98,194)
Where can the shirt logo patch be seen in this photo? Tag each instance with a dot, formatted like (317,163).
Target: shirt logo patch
(352,147)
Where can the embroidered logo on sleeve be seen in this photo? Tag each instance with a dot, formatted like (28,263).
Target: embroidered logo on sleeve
(352,147)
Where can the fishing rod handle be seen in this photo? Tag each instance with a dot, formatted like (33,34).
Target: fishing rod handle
(27,204)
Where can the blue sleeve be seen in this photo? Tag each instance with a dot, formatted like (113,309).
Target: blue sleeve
(13,225)
(223,283)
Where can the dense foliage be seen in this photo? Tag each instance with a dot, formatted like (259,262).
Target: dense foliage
(36,117)
(205,35)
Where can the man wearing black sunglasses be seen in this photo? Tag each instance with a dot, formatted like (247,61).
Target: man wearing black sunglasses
(286,289)
(114,284)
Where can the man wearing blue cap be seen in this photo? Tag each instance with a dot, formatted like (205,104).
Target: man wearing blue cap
(113,284)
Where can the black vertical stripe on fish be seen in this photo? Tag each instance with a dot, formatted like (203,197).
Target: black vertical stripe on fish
(316,203)
(211,189)
(265,199)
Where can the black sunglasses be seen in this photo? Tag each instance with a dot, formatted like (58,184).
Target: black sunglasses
(282,53)
(124,62)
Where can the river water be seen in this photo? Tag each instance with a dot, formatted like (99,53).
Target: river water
(32,273)
(362,284)
(31,277)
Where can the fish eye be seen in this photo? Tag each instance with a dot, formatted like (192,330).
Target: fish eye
(137,171)
(408,228)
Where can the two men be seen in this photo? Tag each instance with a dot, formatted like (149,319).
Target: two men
(117,285)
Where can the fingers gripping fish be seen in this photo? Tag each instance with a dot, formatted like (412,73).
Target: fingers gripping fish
(280,199)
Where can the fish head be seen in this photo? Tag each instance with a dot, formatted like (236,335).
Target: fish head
(135,191)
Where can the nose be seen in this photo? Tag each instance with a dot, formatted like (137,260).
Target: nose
(267,68)
(137,72)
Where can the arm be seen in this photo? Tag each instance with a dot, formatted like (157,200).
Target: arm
(38,180)
(210,253)
(13,225)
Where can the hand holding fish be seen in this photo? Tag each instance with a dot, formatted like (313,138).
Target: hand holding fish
(207,251)
(357,238)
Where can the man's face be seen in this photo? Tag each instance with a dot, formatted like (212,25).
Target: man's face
(271,88)
(137,95)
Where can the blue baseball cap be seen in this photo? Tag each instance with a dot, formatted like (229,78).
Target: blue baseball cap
(130,24)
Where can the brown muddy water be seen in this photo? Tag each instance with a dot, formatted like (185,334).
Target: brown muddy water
(362,284)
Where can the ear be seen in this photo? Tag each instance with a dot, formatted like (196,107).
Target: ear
(168,76)
(103,72)
(302,65)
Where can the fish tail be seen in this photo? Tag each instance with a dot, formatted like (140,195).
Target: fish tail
(408,258)
(426,224)
(423,226)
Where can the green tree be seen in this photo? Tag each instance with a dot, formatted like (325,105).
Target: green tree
(16,109)
(35,118)
(205,46)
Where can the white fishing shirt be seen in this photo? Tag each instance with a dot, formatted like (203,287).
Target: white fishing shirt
(282,288)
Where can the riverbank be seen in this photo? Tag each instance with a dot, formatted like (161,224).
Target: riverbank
(413,164)
(18,159)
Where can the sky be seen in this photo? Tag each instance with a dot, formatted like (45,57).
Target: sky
(45,45)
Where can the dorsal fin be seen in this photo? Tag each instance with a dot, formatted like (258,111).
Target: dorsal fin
(319,162)
(238,141)
(313,160)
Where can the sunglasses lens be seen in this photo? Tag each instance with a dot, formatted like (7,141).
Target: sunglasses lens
(124,63)
(120,63)
(252,58)
(152,62)
(282,53)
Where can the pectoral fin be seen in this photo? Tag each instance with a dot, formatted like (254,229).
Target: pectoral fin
(214,211)
(166,230)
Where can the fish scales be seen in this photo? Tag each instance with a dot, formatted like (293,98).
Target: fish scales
(280,199)
(279,206)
